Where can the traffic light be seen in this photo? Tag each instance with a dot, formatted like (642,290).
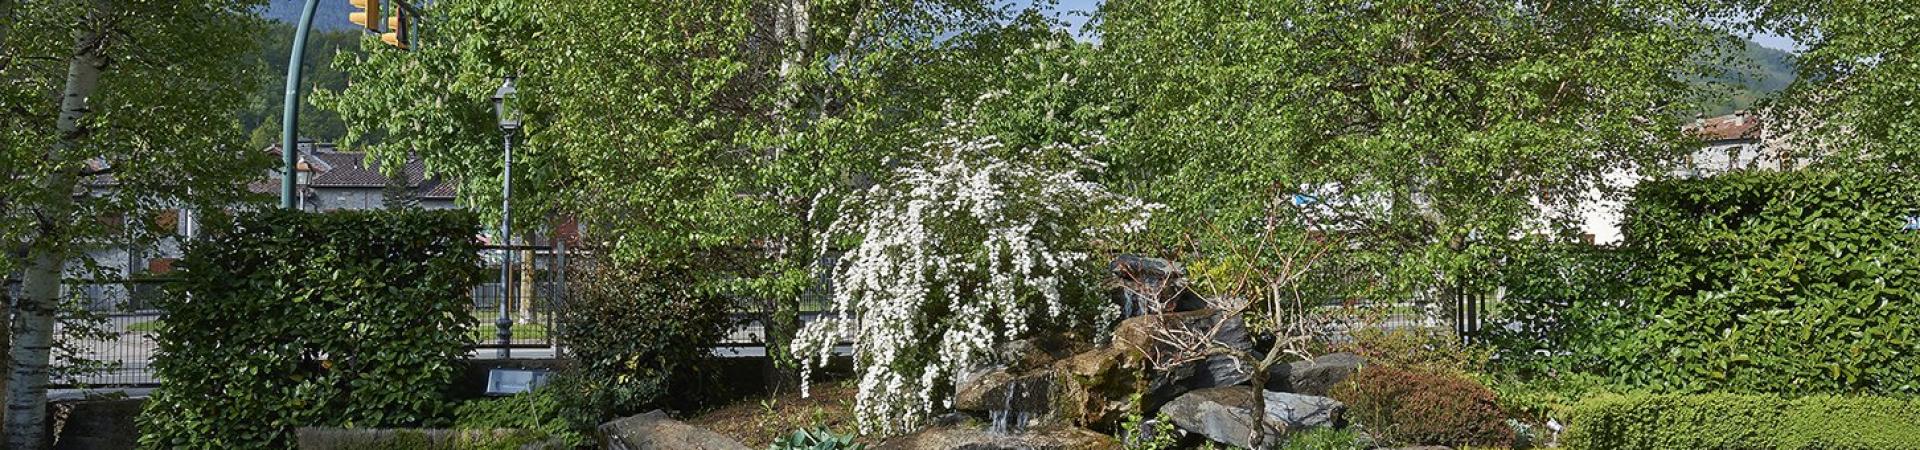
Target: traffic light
(398,29)
(369,15)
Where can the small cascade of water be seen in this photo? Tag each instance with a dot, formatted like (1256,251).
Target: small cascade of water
(1025,400)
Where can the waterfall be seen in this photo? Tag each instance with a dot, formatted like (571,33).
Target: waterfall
(1025,399)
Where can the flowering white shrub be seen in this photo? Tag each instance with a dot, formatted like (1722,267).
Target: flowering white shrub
(955,254)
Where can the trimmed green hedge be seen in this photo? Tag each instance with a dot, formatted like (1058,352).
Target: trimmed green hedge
(1757,422)
(1797,282)
(285,319)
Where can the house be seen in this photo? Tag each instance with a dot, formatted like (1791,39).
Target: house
(1733,142)
(331,179)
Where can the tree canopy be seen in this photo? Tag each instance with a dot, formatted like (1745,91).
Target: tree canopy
(1435,132)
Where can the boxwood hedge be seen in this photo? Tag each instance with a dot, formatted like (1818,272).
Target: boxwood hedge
(1733,421)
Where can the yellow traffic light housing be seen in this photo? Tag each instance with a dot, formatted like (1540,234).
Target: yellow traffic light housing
(369,15)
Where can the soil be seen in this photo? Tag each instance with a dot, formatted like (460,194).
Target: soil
(756,421)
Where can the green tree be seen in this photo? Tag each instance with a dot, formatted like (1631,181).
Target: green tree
(1858,75)
(718,136)
(1431,133)
(112,109)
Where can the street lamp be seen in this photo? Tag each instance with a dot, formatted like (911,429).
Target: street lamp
(506,105)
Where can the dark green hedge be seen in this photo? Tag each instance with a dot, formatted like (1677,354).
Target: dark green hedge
(1757,422)
(1796,282)
(287,319)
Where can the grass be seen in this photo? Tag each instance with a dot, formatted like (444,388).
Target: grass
(483,328)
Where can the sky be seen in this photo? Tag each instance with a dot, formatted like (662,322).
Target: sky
(1074,12)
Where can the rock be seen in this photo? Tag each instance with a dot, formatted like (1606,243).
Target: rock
(971,438)
(1316,377)
(655,431)
(1096,387)
(1303,411)
(1149,335)
(983,388)
(1145,285)
(105,424)
(1224,414)
(1013,402)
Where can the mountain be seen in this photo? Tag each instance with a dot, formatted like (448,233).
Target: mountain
(1757,72)
(330,16)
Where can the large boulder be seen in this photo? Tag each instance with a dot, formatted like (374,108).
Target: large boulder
(655,431)
(1225,414)
(105,424)
(973,438)
(1314,377)
(1143,285)
(1096,387)
(1020,379)
(1180,338)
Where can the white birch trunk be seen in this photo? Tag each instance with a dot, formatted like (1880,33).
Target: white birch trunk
(33,315)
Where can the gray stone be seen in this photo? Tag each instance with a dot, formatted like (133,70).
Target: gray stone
(1145,285)
(95,424)
(655,431)
(1224,414)
(1019,362)
(973,438)
(1315,377)
(1144,334)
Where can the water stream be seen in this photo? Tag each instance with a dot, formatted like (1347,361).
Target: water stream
(1026,399)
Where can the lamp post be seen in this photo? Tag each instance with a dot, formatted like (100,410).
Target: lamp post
(506,106)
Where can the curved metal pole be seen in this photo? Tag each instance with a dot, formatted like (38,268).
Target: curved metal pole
(290,117)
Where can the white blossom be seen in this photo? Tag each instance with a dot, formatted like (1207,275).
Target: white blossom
(956,254)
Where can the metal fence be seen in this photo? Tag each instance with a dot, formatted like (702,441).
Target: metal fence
(104,332)
(105,335)
(528,295)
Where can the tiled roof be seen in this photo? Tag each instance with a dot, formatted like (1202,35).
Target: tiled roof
(331,168)
(1736,126)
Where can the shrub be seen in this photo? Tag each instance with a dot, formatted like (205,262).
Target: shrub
(636,335)
(545,412)
(1733,421)
(285,319)
(955,254)
(1561,307)
(1416,347)
(1423,407)
(1794,282)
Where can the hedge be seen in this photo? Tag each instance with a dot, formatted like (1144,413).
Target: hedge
(1733,421)
(1799,282)
(285,319)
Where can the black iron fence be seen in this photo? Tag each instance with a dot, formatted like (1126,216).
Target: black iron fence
(105,334)
(522,301)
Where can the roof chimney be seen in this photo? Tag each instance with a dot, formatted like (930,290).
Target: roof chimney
(1740,118)
(1700,120)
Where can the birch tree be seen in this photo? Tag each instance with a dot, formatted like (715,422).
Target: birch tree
(115,108)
